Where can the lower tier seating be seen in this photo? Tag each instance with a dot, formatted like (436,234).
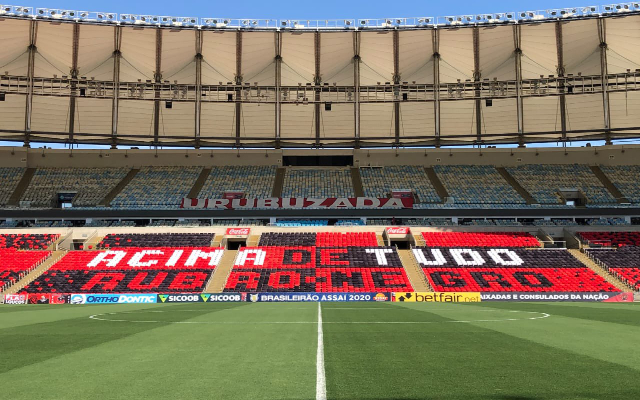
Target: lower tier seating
(507,270)
(130,270)
(27,241)
(15,264)
(623,263)
(473,239)
(323,239)
(611,239)
(316,269)
(157,240)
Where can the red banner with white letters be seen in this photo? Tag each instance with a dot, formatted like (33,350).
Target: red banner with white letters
(297,203)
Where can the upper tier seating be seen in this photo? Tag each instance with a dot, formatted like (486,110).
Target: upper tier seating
(611,239)
(24,241)
(92,185)
(130,270)
(10,177)
(473,239)
(477,184)
(379,182)
(625,179)
(254,181)
(317,182)
(325,239)
(624,263)
(315,269)
(156,240)
(157,187)
(507,270)
(544,181)
(15,264)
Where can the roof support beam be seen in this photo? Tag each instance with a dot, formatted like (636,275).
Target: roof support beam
(477,77)
(602,34)
(115,106)
(238,94)
(158,80)
(396,85)
(198,111)
(435,37)
(517,39)
(356,87)
(33,37)
(278,62)
(317,79)
(561,73)
(74,83)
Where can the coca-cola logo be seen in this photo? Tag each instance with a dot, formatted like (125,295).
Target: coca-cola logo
(238,231)
(398,231)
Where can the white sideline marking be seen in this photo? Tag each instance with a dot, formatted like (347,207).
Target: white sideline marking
(321,380)
(96,317)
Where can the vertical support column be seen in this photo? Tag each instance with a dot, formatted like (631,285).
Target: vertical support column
(33,36)
(356,87)
(238,82)
(396,85)
(561,74)
(517,38)
(198,111)
(604,70)
(74,82)
(317,80)
(117,55)
(435,37)
(158,82)
(477,77)
(278,127)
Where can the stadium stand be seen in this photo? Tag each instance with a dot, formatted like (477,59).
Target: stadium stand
(379,182)
(477,184)
(156,240)
(473,239)
(130,270)
(27,241)
(325,239)
(316,269)
(544,181)
(318,182)
(14,264)
(91,185)
(10,177)
(611,239)
(625,178)
(157,188)
(254,181)
(505,270)
(623,263)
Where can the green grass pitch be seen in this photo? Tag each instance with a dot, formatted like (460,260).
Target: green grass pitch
(498,351)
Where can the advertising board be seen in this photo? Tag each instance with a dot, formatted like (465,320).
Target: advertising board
(438,297)
(607,297)
(317,297)
(113,298)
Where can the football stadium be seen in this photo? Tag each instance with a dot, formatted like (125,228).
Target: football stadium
(397,208)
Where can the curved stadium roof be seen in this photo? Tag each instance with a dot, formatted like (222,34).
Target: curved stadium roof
(504,78)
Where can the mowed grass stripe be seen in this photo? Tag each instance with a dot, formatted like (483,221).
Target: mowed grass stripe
(164,360)
(463,360)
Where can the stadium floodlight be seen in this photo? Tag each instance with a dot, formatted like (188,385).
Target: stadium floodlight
(82,15)
(363,22)
(589,10)
(129,18)
(568,12)
(19,10)
(106,17)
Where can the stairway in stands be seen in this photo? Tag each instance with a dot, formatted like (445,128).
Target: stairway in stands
(197,186)
(220,275)
(358,189)
(106,202)
(414,273)
(278,182)
(583,258)
(604,179)
(31,276)
(14,200)
(516,185)
(437,184)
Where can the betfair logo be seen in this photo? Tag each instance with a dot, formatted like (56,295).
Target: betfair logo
(448,297)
